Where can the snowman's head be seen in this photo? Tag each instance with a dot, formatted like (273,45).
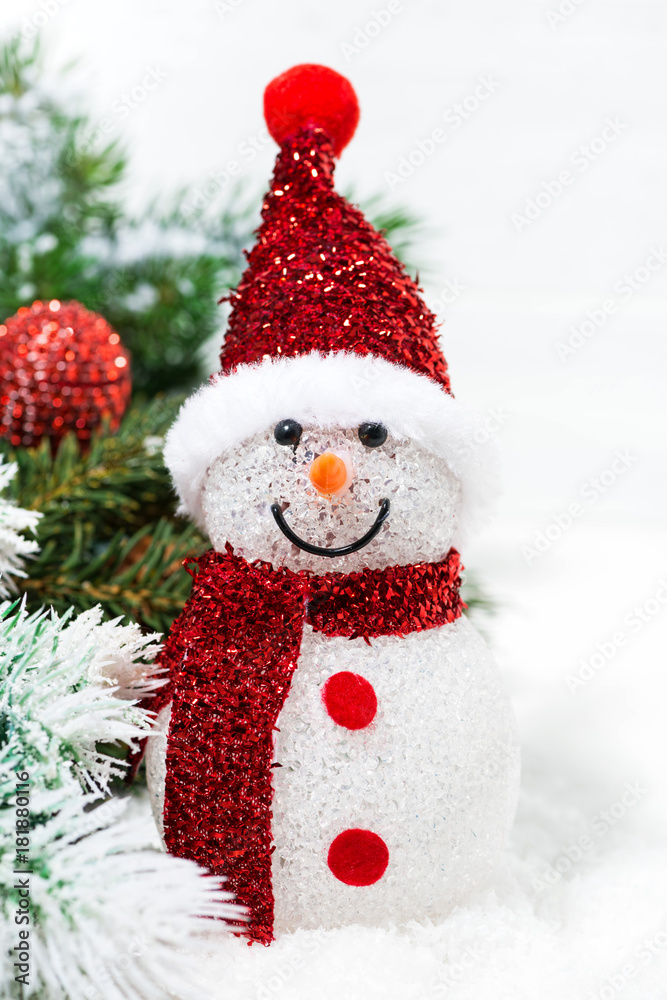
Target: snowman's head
(313,464)
(331,427)
(297,496)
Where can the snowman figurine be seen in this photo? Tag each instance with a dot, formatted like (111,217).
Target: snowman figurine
(334,738)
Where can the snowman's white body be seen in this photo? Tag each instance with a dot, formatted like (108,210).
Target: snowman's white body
(435,774)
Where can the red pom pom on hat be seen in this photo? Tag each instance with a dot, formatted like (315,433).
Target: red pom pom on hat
(311,95)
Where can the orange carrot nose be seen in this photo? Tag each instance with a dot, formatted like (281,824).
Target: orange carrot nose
(330,474)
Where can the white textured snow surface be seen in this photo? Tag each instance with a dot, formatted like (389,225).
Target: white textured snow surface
(508,298)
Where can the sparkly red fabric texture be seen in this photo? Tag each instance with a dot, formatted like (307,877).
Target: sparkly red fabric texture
(231,655)
(358,857)
(320,278)
(62,368)
(392,601)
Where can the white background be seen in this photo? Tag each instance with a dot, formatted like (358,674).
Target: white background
(556,80)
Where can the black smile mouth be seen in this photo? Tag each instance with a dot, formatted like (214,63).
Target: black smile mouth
(343,550)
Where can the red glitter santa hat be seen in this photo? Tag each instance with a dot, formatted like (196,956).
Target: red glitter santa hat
(326,326)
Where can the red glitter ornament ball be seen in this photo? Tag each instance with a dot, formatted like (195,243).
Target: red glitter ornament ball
(62,368)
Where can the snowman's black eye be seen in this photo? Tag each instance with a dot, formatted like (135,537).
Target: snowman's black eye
(372,435)
(288,432)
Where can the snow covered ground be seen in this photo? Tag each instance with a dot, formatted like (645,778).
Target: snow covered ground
(546,256)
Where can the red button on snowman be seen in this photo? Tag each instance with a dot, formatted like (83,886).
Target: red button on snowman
(334,739)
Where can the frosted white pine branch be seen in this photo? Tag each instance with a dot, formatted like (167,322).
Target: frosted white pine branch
(113,917)
(53,692)
(117,919)
(14,547)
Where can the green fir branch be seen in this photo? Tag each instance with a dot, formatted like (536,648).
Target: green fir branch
(108,533)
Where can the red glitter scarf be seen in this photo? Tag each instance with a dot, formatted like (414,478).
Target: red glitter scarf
(231,655)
